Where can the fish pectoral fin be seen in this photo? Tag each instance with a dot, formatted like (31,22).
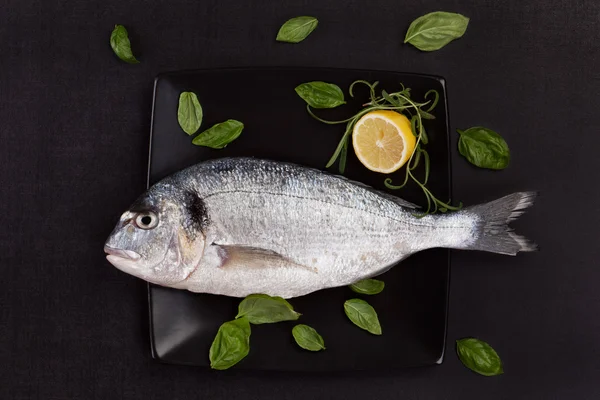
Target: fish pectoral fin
(233,256)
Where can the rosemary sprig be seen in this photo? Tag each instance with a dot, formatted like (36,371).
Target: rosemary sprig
(399,101)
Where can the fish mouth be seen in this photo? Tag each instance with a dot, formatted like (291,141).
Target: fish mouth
(113,252)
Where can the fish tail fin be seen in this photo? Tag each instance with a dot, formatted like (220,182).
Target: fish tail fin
(493,233)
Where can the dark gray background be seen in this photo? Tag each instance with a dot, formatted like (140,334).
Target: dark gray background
(74,124)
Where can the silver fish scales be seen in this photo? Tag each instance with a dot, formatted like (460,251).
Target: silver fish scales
(237,226)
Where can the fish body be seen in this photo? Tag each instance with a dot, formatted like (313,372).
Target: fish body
(238,226)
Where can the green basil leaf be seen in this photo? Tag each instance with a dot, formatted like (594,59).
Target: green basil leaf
(189,113)
(479,356)
(368,286)
(308,338)
(119,41)
(435,30)
(321,94)
(231,344)
(296,29)
(264,309)
(220,135)
(484,148)
(363,315)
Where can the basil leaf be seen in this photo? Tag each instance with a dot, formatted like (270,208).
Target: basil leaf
(296,29)
(264,309)
(435,30)
(363,315)
(308,338)
(220,135)
(321,94)
(231,344)
(189,113)
(368,286)
(484,148)
(479,356)
(119,41)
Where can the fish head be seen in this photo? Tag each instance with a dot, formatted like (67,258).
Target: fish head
(160,238)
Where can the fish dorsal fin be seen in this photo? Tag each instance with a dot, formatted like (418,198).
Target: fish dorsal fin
(387,196)
(237,256)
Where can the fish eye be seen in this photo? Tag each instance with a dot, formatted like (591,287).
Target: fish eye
(147,220)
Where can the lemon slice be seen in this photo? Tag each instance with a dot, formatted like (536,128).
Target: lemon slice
(383,141)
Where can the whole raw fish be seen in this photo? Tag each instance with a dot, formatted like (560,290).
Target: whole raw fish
(238,226)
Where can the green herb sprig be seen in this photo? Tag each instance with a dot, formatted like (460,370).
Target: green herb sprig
(399,101)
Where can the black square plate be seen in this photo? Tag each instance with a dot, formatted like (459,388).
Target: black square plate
(413,307)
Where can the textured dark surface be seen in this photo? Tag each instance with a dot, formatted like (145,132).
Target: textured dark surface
(74,125)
